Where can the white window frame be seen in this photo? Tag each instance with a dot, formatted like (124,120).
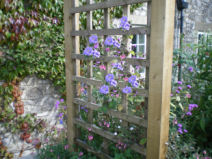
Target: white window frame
(205,34)
(140,44)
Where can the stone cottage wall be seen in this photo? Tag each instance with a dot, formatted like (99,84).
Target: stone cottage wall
(197,18)
(39,96)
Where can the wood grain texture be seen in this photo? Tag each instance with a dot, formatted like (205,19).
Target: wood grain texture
(116,114)
(90,81)
(101,32)
(72,66)
(106,142)
(90,63)
(131,61)
(100,154)
(108,135)
(103,5)
(161,48)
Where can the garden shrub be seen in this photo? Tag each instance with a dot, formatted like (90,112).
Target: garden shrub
(192,93)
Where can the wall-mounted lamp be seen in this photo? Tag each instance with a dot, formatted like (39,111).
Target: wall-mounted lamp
(182,4)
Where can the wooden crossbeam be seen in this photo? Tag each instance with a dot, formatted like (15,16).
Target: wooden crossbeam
(106,4)
(132,61)
(110,136)
(116,114)
(100,154)
(101,32)
(90,81)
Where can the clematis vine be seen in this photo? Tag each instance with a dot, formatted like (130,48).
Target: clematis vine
(93,39)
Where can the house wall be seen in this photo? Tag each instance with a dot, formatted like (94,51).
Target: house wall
(39,96)
(197,18)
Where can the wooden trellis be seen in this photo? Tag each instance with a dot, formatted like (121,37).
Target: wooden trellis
(158,63)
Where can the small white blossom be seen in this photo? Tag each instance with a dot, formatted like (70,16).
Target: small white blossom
(132,128)
(115,133)
(119,127)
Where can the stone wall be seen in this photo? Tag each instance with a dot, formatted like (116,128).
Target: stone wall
(39,96)
(197,18)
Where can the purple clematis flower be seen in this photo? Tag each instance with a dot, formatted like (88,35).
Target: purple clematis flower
(113,83)
(104,89)
(116,44)
(109,41)
(88,51)
(127,90)
(96,53)
(109,77)
(126,26)
(93,39)
(132,79)
(135,84)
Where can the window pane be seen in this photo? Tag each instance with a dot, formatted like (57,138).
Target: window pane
(134,47)
(134,39)
(141,39)
(209,41)
(141,48)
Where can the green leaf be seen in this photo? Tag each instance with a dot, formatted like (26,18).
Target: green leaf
(202,123)
(143,141)
(132,52)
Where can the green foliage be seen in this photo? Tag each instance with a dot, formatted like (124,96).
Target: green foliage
(200,123)
(197,72)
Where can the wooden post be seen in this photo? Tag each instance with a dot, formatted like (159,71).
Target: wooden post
(161,48)
(72,66)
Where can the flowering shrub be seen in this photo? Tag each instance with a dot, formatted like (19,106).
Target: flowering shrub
(190,107)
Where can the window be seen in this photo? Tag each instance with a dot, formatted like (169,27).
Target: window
(205,38)
(139,45)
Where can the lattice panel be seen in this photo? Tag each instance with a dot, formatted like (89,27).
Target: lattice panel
(154,92)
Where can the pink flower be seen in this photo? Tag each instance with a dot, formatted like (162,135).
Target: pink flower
(123,57)
(107,49)
(90,137)
(117,95)
(125,79)
(102,67)
(82,89)
(175,121)
(81,153)
(89,129)
(108,125)
(66,147)
(188,95)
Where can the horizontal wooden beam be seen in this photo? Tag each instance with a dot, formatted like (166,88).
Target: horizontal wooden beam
(100,154)
(117,114)
(132,61)
(103,5)
(110,136)
(101,32)
(90,81)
